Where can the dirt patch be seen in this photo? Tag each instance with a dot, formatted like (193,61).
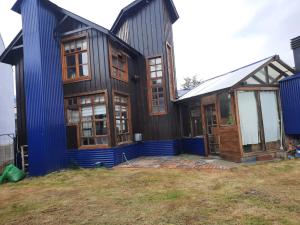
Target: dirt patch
(180,162)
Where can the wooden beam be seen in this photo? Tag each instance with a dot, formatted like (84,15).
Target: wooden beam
(61,22)
(75,31)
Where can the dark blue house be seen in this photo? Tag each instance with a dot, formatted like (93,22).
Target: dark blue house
(85,93)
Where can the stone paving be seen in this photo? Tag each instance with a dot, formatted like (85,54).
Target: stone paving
(180,162)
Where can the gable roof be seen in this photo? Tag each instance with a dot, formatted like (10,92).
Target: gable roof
(17,8)
(13,48)
(226,80)
(137,5)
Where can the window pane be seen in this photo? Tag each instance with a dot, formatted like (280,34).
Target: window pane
(273,73)
(152,68)
(101,128)
(152,61)
(101,140)
(262,75)
(158,67)
(72,46)
(73,116)
(158,60)
(67,48)
(225,109)
(79,45)
(71,60)
(159,73)
(87,113)
(83,71)
(87,129)
(83,58)
(100,112)
(71,74)
(84,44)
(98,99)
(153,74)
(86,100)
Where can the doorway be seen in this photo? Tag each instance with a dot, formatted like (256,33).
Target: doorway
(211,122)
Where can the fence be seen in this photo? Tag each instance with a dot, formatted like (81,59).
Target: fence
(6,150)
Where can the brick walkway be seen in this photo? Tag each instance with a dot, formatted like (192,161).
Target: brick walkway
(181,162)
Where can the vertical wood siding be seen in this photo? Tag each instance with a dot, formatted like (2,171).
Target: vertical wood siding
(148,31)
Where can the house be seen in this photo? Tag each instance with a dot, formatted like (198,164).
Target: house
(7,120)
(84,92)
(240,111)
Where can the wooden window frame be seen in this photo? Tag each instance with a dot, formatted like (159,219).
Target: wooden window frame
(79,131)
(171,71)
(64,63)
(149,86)
(129,117)
(112,49)
(194,108)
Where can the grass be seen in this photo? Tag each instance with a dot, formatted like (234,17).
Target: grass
(261,194)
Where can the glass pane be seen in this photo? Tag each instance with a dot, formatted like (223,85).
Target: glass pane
(67,48)
(98,99)
(282,68)
(79,45)
(158,61)
(152,62)
(100,112)
(273,73)
(225,109)
(252,81)
(84,44)
(83,71)
(87,113)
(153,74)
(158,67)
(87,129)
(71,73)
(101,140)
(118,126)
(152,68)
(73,116)
(101,128)
(262,75)
(158,81)
(83,58)
(159,73)
(161,108)
(86,100)
(72,46)
(71,60)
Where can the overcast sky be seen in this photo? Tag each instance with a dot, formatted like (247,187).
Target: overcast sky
(211,36)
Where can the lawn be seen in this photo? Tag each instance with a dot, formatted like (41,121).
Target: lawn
(256,194)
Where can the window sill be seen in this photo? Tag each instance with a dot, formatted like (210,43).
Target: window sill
(93,147)
(77,80)
(124,143)
(158,114)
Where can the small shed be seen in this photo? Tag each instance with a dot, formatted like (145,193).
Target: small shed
(238,113)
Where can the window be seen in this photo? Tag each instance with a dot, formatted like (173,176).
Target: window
(225,109)
(122,118)
(196,122)
(171,72)
(156,90)
(118,64)
(89,113)
(75,59)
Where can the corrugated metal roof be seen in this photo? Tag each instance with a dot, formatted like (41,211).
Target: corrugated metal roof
(224,81)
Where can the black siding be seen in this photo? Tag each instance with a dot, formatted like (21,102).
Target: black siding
(148,31)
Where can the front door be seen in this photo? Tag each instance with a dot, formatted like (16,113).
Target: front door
(211,123)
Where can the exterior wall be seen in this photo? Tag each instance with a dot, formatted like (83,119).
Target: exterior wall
(7,115)
(46,133)
(148,31)
(290,101)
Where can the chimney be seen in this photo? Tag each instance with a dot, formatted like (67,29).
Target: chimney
(295,44)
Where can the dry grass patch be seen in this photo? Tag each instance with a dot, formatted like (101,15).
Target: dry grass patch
(261,194)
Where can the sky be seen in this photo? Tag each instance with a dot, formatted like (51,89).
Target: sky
(211,37)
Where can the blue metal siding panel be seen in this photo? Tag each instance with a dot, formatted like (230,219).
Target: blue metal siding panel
(193,146)
(290,101)
(43,90)
(159,148)
(130,151)
(88,159)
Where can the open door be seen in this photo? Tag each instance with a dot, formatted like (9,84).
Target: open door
(211,122)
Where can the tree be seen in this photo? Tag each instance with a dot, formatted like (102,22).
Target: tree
(190,83)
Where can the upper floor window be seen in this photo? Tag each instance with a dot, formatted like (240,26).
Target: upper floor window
(118,64)
(171,72)
(89,114)
(75,59)
(156,87)
(122,118)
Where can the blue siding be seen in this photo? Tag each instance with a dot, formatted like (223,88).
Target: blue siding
(43,90)
(130,151)
(159,148)
(88,158)
(290,101)
(193,146)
